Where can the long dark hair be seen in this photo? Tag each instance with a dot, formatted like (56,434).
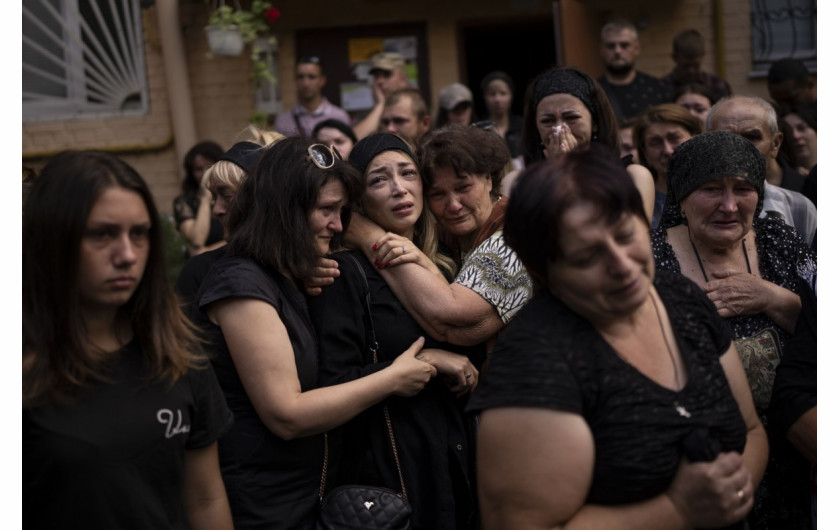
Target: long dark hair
(269,218)
(604,123)
(56,359)
(209,150)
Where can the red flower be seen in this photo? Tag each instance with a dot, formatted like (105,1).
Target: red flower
(272,14)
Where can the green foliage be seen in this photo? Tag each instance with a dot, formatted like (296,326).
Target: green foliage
(260,119)
(173,246)
(252,24)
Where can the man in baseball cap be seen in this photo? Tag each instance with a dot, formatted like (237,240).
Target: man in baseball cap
(387,70)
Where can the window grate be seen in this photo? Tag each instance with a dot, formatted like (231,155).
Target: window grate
(82,58)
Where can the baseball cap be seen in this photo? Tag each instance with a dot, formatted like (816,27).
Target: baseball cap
(386,61)
(451,95)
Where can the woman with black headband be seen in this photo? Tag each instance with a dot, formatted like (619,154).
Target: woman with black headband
(751,269)
(566,109)
(430,433)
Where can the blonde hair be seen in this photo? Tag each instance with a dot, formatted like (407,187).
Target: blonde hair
(227,174)
(264,137)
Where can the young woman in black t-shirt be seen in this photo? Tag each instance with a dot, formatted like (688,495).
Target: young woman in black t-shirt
(120,413)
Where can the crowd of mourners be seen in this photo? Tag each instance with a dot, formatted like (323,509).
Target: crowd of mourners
(598,312)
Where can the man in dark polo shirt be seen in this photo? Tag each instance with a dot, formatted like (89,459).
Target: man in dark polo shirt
(629,90)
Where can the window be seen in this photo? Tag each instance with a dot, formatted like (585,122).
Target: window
(82,58)
(783,29)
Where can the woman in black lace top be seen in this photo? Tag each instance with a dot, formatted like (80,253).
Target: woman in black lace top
(752,270)
(610,383)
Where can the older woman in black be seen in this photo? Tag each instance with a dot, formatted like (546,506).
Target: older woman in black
(610,376)
(752,269)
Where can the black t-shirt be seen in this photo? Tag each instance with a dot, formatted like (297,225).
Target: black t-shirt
(193,273)
(550,357)
(630,100)
(113,457)
(271,482)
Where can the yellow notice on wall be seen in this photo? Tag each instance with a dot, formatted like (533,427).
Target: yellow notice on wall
(364,49)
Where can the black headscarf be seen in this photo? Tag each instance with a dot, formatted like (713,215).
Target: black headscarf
(706,157)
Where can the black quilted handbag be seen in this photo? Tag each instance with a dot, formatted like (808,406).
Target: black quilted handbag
(355,507)
(364,507)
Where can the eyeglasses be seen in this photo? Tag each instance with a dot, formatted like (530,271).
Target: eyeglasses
(322,156)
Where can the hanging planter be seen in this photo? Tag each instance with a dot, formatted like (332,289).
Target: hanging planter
(225,41)
(230,28)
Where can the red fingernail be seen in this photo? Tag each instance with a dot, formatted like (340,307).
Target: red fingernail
(376,262)
(388,264)
(375,246)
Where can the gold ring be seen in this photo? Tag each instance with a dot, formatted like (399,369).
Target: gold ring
(740,494)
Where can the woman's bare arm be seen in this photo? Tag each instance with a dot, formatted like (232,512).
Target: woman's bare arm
(643,179)
(262,352)
(525,482)
(205,499)
(448,312)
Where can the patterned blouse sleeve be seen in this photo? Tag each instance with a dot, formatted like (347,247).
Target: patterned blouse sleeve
(495,273)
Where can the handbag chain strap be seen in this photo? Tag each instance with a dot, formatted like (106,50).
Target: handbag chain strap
(374,349)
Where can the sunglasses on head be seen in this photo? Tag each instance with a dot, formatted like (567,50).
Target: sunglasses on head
(323,156)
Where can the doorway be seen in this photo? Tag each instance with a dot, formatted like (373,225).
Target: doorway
(522,49)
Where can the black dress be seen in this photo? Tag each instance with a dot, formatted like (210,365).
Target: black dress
(550,357)
(271,482)
(429,428)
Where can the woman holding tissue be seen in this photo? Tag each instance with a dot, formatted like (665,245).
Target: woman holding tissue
(566,109)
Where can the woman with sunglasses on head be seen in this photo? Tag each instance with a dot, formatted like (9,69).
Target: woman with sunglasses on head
(431,438)
(264,348)
(121,411)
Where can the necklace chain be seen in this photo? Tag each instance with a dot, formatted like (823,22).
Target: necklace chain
(700,262)
(667,342)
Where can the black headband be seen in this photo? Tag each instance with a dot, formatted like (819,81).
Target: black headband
(245,155)
(564,81)
(370,146)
